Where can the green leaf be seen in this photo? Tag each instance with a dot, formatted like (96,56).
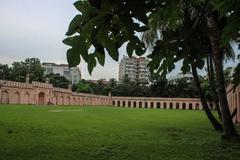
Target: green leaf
(85,8)
(130,48)
(186,67)
(73,57)
(74,25)
(72,41)
(135,45)
(100,58)
(88,28)
(107,40)
(80,44)
(91,63)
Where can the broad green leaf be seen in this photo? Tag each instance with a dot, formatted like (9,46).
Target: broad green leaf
(73,57)
(100,58)
(85,8)
(74,25)
(130,48)
(91,63)
(107,40)
(186,67)
(72,41)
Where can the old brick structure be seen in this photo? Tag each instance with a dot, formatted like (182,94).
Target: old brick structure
(43,94)
(38,93)
(233,96)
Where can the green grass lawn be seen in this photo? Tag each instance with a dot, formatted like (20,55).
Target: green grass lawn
(109,133)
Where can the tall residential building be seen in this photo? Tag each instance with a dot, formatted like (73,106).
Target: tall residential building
(72,74)
(134,69)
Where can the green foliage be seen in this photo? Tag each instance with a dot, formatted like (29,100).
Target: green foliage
(31,66)
(4,72)
(84,87)
(58,80)
(230,19)
(104,26)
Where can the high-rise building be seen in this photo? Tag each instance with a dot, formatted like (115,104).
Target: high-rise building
(72,74)
(134,69)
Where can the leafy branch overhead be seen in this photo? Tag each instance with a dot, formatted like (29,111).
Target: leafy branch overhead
(104,27)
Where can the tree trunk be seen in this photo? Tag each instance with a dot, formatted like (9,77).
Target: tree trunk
(214,33)
(211,77)
(209,114)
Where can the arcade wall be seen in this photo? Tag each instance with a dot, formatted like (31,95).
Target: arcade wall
(37,93)
(233,96)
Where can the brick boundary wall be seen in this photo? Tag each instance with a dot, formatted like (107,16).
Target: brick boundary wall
(37,93)
(233,96)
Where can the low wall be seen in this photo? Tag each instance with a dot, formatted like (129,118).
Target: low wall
(38,93)
(233,96)
(163,103)
(43,94)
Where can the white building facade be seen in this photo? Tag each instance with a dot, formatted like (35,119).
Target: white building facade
(72,74)
(134,69)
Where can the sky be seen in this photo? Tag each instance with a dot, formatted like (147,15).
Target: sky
(36,29)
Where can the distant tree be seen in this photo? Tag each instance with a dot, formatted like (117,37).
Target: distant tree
(112,82)
(74,87)
(84,87)
(58,81)
(4,72)
(99,87)
(159,86)
(31,66)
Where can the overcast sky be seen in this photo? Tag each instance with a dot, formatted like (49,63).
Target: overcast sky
(31,28)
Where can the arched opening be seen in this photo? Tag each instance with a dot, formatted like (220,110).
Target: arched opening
(54,100)
(190,106)
(41,98)
(158,105)
(140,104)
(5,97)
(62,100)
(171,106)
(124,104)
(74,101)
(197,106)
(129,104)
(68,100)
(177,105)
(118,103)
(113,103)
(134,104)
(27,98)
(184,106)
(146,104)
(151,104)
(165,105)
(16,98)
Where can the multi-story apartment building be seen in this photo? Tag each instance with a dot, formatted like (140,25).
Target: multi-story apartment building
(134,69)
(72,74)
